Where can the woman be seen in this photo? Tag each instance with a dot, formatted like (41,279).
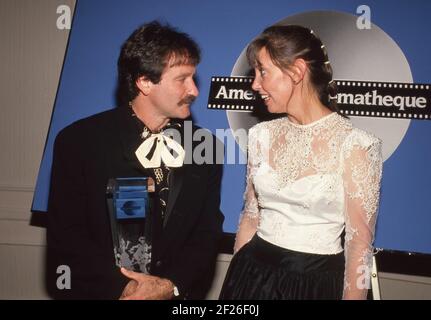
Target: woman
(311,176)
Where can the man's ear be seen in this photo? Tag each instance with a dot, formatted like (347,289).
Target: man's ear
(298,70)
(144,85)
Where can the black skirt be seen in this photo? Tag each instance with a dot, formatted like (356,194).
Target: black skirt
(263,271)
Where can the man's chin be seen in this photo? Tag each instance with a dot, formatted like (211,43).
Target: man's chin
(184,113)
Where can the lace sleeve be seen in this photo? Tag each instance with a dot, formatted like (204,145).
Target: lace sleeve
(362,176)
(249,218)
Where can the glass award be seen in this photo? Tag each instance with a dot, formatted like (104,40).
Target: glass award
(129,203)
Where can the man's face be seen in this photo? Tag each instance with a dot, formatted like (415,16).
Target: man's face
(173,95)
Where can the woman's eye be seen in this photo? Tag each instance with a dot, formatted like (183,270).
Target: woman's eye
(262,72)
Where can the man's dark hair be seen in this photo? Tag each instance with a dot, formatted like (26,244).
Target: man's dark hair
(147,52)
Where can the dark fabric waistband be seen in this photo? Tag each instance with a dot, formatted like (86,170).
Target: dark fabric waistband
(295,261)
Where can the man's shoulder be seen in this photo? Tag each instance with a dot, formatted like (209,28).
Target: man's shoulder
(202,133)
(91,123)
(197,128)
(209,145)
(87,129)
(189,127)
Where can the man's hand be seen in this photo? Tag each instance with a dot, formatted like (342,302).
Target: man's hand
(146,287)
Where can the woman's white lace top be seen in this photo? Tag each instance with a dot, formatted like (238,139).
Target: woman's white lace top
(307,183)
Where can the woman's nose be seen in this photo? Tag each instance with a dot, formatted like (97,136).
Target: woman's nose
(256,84)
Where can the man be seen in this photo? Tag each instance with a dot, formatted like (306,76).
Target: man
(156,88)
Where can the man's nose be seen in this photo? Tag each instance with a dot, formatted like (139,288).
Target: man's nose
(193,90)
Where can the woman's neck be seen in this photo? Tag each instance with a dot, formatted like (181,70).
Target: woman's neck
(306,114)
(305,107)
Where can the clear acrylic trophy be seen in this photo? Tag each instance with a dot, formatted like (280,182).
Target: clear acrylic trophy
(129,204)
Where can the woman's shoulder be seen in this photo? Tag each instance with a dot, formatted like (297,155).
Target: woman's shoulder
(361,138)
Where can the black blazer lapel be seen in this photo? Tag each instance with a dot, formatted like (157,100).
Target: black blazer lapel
(129,146)
(129,135)
(175,182)
(176,179)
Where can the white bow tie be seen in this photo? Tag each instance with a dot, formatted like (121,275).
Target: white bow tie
(161,152)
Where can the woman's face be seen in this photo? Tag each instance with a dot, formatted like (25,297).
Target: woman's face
(274,86)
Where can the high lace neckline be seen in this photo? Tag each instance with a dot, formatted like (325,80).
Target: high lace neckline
(311,124)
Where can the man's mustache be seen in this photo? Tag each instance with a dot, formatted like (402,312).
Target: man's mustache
(187,100)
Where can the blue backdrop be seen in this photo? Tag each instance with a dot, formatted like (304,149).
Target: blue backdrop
(223,28)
